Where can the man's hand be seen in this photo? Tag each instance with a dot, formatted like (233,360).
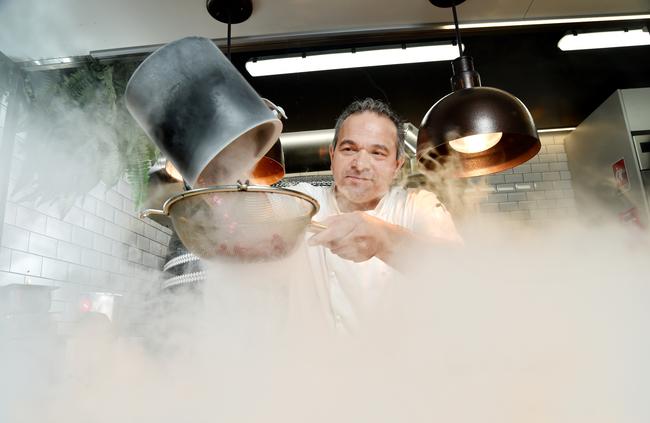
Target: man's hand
(357,236)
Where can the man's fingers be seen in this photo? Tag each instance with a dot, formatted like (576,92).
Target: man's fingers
(319,239)
(346,237)
(334,232)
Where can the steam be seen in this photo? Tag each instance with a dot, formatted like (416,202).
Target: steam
(64,149)
(238,159)
(25,36)
(461,196)
(234,163)
(64,163)
(516,326)
(536,324)
(542,324)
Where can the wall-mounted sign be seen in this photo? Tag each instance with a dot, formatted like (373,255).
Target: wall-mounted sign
(620,175)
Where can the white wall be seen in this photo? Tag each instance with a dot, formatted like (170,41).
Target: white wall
(539,189)
(100,245)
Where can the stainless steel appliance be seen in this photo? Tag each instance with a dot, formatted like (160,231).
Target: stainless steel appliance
(609,159)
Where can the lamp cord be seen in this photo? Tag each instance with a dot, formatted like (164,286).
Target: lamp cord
(229,36)
(460,45)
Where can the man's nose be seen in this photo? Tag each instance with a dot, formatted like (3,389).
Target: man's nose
(361,160)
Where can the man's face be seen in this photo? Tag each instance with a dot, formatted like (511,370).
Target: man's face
(364,162)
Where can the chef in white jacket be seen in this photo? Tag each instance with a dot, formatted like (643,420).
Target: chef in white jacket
(369,220)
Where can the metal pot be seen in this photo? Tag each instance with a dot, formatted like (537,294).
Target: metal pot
(201,113)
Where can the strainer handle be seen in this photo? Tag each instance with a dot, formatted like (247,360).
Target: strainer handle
(151,212)
(316,227)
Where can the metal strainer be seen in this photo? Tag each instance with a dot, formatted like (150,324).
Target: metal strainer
(240,222)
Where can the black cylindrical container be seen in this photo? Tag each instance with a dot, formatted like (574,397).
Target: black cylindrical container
(201,113)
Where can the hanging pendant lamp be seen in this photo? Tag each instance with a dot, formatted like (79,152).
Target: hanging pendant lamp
(484,130)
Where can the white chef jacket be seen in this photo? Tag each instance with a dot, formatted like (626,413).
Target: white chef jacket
(349,290)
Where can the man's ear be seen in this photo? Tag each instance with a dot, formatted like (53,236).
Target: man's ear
(400,163)
(331,153)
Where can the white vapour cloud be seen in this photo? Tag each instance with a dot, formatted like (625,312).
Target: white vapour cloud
(33,29)
(533,326)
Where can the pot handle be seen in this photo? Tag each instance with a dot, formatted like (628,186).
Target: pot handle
(151,212)
(279,111)
(315,227)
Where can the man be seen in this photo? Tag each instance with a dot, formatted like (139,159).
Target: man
(369,221)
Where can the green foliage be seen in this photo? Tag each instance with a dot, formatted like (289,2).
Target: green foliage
(8,73)
(5,73)
(78,133)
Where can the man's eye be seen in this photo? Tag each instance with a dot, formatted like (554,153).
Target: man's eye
(379,153)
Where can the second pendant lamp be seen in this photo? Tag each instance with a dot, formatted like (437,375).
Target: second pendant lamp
(483,130)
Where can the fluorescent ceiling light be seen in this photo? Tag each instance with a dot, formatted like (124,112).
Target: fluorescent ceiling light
(322,137)
(317,137)
(550,130)
(552,21)
(358,59)
(606,39)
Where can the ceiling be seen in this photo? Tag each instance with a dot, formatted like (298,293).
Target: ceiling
(38,29)
(559,88)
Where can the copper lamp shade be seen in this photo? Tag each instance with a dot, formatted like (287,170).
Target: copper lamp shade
(270,168)
(473,111)
(483,130)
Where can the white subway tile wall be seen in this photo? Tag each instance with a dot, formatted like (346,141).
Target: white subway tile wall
(539,189)
(100,245)
(5,259)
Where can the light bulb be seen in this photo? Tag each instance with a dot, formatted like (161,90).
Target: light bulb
(476,143)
